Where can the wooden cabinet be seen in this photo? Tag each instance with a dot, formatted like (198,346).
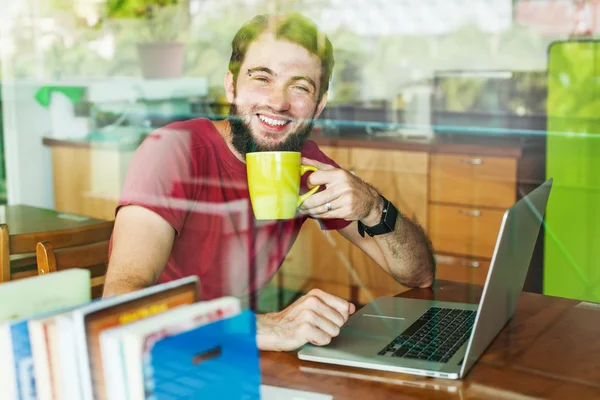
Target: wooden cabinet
(88,180)
(464,229)
(468,197)
(473,180)
(461,268)
(317,259)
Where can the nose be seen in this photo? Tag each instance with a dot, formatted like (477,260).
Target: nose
(278,100)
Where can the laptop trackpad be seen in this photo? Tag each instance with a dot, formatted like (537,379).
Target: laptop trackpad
(375,326)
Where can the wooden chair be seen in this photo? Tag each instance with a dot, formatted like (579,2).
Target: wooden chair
(4,254)
(16,254)
(83,247)
(87,248)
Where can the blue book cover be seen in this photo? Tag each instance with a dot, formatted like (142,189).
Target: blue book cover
(22,354)
(23,360)
(215,361)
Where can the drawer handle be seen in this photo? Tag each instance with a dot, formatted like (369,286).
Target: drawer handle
(446,260)
(471,264)
(470,213)
(472,161)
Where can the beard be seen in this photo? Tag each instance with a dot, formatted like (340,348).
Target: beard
(244,142)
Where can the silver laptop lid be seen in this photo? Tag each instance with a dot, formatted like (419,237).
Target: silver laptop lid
(512,255)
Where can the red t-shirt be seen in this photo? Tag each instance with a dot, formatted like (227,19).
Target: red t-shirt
(186,174)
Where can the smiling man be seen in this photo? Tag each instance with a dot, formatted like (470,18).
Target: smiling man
(185,208)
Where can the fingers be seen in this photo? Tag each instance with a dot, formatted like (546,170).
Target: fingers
(326,177)
(318,164)
(317,320)
(322,315)
(317,203)
(342,306)
(320,198)
(335,209)
(316,304)
(311,334)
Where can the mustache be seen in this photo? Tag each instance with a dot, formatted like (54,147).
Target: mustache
(246,118)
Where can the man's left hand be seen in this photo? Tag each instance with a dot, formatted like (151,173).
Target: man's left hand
(345,196)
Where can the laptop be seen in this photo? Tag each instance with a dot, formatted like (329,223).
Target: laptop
(436,338)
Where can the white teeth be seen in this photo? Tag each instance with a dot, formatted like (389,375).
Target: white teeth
(271,121)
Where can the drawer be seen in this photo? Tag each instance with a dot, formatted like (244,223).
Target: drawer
(464,230)
(461,269)
(397,161)
(478,181)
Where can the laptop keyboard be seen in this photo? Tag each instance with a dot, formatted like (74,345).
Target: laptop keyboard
(436,336)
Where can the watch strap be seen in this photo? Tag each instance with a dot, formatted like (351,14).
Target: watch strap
(386,224)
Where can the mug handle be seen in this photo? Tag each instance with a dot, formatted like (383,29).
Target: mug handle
(304,169)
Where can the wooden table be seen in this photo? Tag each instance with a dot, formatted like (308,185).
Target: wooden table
(27,219)
(550,349)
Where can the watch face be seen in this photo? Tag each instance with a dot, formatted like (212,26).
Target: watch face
(390,217)
(388,220)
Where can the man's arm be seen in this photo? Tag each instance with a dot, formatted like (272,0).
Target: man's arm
(141,244)
(404,253)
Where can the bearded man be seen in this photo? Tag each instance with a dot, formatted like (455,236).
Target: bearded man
(185,207)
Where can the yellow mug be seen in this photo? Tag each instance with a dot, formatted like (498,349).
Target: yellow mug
(274,183)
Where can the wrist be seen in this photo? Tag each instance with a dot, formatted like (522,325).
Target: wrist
(265,337)
(374,215)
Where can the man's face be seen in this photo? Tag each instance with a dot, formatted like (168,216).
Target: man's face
(275,99)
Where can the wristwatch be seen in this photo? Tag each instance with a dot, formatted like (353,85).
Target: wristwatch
(387,223)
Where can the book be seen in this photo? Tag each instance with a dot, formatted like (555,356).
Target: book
(44,345)
(22,300)
(87,323)
(123,348)
(44,336)
(21,356)
(218,360)
(42,293)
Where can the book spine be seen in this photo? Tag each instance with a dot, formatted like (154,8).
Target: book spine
(8,379)
(112,364)
(41,362)
(23,361)
(70,379)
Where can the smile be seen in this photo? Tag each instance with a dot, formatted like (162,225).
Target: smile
(275,123)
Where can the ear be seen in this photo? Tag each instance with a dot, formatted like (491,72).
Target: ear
(321,106)
(229,87)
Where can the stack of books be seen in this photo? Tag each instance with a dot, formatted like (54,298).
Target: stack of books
(155,343)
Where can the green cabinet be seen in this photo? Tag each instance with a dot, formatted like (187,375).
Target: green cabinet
(3,196)
(572,236)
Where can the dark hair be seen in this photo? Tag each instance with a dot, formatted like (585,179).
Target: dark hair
(293,27)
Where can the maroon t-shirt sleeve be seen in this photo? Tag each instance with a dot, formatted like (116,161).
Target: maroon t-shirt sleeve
(159,175)
(312,151)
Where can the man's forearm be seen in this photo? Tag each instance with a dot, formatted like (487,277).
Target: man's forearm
(407,251)
(122,285)
(408,254)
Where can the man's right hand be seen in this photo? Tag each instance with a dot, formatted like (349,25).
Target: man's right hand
(314,318)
